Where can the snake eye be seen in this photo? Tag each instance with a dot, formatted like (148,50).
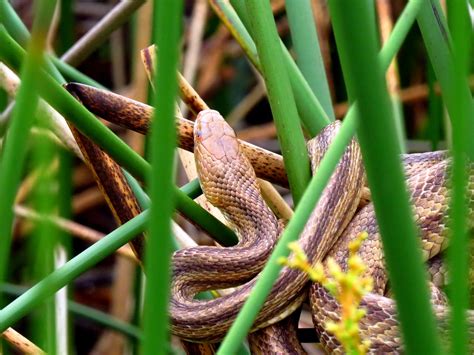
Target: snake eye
(198,133)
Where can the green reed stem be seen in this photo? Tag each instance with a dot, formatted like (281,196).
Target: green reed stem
(462,123)
(66,160)
(269,274)
(281,99)
(71,270)
(308,53)
(14,148)
(162,146)
(356,42)
(45,236)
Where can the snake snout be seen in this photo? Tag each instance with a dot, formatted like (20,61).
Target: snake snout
(206,121)
(215,136)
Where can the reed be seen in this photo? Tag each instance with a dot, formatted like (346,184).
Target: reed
(167,20)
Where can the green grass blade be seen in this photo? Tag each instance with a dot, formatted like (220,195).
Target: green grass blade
(167,22)
(290,134)
(308,53)
(92,40)
(356,42)
(269,274)
(14,149)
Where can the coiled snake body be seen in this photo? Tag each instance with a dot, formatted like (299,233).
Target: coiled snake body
(229,182)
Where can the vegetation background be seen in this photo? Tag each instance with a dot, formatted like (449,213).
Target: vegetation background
(102,40)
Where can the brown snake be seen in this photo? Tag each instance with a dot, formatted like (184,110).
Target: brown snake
(229,183)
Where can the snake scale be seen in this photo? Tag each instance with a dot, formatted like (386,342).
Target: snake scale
(229,182)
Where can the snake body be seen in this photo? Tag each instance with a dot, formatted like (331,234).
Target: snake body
(229,182)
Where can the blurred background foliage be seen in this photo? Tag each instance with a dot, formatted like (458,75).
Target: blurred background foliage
(215,65)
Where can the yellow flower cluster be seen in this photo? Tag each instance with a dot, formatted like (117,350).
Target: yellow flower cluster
(347,288)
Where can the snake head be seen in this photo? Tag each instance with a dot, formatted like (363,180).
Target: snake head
(219,157)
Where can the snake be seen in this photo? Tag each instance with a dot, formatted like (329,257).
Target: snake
(229,183)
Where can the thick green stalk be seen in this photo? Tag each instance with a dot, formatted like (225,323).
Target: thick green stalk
(71,270)
(462,150)
(281,98)
(450,61)
(269,274)
(308,53)
(356,42)
(14,148)
(167,25)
